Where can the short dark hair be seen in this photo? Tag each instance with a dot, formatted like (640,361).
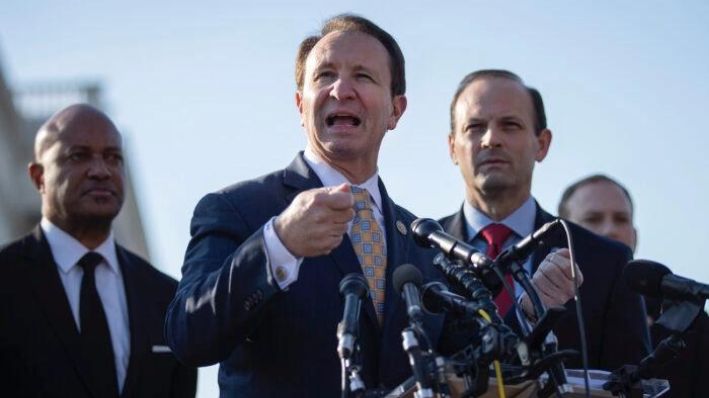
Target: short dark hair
(355,23)
(540,117)
(571,189)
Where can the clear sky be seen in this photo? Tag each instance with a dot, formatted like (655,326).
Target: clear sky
(204,94)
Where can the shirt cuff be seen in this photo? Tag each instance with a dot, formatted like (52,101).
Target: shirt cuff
(284,266)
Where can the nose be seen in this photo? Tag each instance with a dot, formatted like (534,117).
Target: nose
(609,229)
(491,138)
(342,89)
(98,168)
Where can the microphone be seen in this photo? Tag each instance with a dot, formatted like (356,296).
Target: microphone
(354,288)
(655,280)
(524,248)
(485,285)
(437,298)
(429,233)
(406,280)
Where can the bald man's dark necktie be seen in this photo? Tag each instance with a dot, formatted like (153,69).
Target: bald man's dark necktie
(96,343)
(495,235)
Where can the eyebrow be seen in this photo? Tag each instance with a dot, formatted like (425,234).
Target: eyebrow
(87,147)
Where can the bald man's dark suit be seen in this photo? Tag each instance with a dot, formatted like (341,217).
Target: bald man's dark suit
(39,340)
(282,343)
(614,316)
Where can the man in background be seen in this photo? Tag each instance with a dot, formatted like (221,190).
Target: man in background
(498,133)
(604,206)
(81,316)
(601,205)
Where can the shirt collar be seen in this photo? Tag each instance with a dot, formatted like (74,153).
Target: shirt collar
(521,221)
(330,177)
(67,251)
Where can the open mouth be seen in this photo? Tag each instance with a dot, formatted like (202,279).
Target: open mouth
(342,120)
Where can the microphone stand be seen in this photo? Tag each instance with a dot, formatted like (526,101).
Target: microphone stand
(677,319)
(511,261)
(352,384)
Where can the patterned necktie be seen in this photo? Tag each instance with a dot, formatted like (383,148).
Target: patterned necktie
(368,241)
(96,343)
(495,235)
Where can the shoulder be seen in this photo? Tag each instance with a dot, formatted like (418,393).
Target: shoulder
(243,193)
(13,251)
(597,243)
(594,248)
(147,272)
(447,220)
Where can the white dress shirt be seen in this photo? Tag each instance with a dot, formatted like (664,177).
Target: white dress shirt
(283,264)
(67,251)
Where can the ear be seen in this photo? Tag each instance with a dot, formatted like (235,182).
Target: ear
(299,105)
(399,106)
(635,239)
(543,141)
(36,173)
(451,147)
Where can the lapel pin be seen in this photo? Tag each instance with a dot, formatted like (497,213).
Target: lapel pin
(401,227)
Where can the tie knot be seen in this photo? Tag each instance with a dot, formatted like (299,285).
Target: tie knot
(89,261)
(361,198)
(496,234)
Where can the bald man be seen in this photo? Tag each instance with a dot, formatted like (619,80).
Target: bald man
(601,205)
(81,316)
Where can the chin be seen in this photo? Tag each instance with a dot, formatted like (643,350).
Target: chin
(99,213)
(341,150)
(492,184)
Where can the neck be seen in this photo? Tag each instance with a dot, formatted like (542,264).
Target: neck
(91,233)
(356,168)
(498,205)
(356,171)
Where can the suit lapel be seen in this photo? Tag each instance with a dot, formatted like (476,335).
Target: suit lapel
(51,296)
(397,247)
(457,226)
(139,344)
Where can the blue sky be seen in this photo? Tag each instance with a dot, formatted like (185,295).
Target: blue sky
(204,94)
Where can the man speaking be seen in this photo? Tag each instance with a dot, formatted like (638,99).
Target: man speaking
(259,292)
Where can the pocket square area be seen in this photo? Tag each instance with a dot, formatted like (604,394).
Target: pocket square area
(161,349)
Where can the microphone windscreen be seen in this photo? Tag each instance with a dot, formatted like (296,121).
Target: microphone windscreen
(404,274)
(422,228)
(645,277)
(354,283)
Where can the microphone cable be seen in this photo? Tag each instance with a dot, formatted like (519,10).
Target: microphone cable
(577,302)
(496,362)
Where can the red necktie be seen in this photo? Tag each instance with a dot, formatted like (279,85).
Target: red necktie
(495,235)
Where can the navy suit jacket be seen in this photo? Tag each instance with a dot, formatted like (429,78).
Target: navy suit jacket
(272,342)
(614,316)
(39,340)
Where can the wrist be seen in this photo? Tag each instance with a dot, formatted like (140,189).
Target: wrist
(527,308)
